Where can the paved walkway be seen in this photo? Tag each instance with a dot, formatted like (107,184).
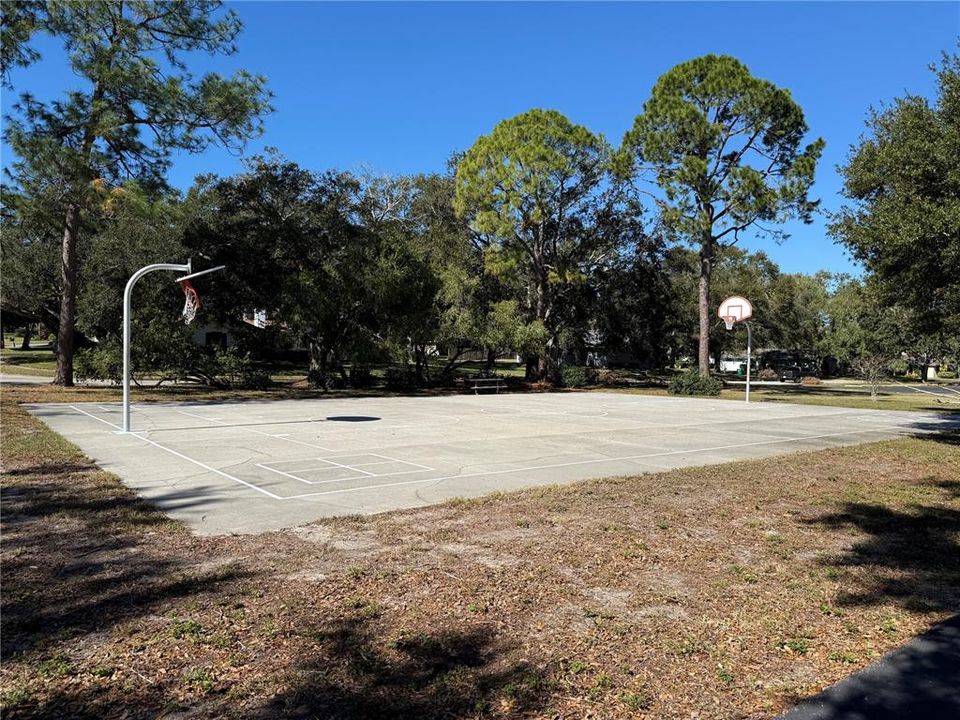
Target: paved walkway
(920,680)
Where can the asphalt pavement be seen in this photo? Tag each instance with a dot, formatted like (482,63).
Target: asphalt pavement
(920,681)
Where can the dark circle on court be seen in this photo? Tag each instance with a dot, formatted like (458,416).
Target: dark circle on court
(352,418)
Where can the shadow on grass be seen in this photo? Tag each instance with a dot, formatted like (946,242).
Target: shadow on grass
(919,680)
(450,674)
(348,673)
(916,553)
(74,560)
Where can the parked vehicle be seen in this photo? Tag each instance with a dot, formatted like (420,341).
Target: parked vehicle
(791,373)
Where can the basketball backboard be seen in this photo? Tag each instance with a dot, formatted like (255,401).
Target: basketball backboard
(735,309)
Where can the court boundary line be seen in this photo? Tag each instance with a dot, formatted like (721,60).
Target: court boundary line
(355,468)
(779,440)
(184,457)
(256,432)
(588,462)
(828,411)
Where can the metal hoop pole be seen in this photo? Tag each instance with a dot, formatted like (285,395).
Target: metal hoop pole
(749,345)
(127,293)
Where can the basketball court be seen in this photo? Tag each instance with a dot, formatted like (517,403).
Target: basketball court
(247,467)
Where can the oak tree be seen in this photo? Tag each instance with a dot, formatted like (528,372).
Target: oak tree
(902,220)
(534,191)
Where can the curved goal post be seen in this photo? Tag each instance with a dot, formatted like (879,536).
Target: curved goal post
(191,305)
(736,309)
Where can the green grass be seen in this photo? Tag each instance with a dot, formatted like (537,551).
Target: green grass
(38,360)
(824,396)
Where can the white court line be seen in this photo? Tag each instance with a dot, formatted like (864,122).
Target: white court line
(295,477)
(184,457)
(587,462)
(387,458)
(748,412)
(330,464)
(499,472)
(256,432)
(337,480)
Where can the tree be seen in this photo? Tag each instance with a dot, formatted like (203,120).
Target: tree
(903,220)
(533,190)
(294,247)
(634,310)
(139,104)
(29,251)
(725,150)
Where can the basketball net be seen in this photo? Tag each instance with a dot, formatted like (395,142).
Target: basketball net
(191,302)
(729,320)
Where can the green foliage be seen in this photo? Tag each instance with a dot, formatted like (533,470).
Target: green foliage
(178,360)
(507,330)
(118,49)
(574,376)
(102,362)
(725,148)
(534,192)
(137,104)
(30,249)
(693,383)
(230,369)
(903,220)
(713,133)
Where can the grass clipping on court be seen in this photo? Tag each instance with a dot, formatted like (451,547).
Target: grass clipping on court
(724,591)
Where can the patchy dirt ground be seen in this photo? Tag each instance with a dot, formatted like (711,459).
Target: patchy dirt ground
(718,592)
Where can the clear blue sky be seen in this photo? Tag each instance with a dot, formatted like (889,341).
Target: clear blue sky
(399,86)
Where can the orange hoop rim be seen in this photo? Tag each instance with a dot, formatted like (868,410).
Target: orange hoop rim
(191,303)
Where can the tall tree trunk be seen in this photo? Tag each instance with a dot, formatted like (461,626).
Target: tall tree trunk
(491,359)
(706,266)
(27,335)
(68,297)
(542,309)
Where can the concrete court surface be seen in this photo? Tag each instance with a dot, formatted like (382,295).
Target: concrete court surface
(254,466)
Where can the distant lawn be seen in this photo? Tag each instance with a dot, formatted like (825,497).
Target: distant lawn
(42,362)
(823,395)
(716,592)
(39,360)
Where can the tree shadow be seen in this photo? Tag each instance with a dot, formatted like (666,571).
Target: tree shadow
(76,562)
(916,553)
(918,680)
(448,674)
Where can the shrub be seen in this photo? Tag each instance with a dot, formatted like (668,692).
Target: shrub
(231,369)
(255,380)
(899,367)
(103,362)
(361,377)
(946,374)
(768,374)
(809,380)
(399,378)
(324,380)
(693,383)
(573,376)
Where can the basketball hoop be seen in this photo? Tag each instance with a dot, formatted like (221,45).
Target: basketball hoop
(734,309)
(191,302)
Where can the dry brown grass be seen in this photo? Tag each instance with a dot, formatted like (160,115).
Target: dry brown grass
(718,592)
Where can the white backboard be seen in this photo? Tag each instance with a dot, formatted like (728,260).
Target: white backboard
(736,307)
